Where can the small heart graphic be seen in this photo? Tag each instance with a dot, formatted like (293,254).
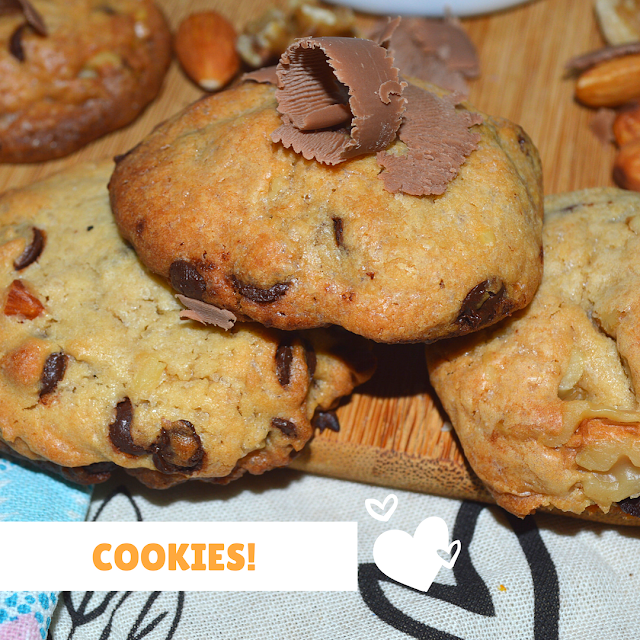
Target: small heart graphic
(369,503)
(414,561)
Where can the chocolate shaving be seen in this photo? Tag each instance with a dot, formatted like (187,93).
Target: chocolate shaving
(206,313)
(266,75)
(34,19)
(582,63)
(286,426)
(256,294)
(436,51)
(284,358)
(601,125)
(330,109)
(32,252)
(120,430)
(326,420)
(184,277)
(54,369)
(438,141)
(178,449)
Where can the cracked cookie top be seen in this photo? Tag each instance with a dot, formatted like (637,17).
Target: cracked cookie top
(293,243)
(547,404)
(98,370)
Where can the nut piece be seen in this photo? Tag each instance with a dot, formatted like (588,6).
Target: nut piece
(266,37)
(611,83)
(20,302)
(206,48)
(619,20)
(626,168)
(626,126)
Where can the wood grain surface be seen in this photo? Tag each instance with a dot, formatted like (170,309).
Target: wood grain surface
(393,432)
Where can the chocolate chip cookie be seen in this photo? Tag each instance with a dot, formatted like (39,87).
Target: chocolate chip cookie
(232,218)
(72,71)
(98,370)
(547,403)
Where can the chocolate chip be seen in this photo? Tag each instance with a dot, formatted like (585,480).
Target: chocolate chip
(256,294)
(91,473)
(326,420)
(482,305)
(90,227)
(15,43)
(185,278)
(120,430)
(630,506)
(524,145)
(337,230)
(110,11)
(32,252)
(310,357)
(178,449)
(54,368)
(284,357)
(286,426)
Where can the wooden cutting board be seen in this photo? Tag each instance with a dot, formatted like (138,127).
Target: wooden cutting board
(393,432)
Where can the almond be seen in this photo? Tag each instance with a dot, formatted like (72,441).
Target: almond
(206,48)
(611,83)
(626,168)
(626,126)
(20,302)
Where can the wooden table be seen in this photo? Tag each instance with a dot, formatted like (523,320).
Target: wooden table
(393,431)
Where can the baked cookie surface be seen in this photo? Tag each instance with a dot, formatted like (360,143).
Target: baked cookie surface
(99,64)
(230,217)
(97,368)
(546,404)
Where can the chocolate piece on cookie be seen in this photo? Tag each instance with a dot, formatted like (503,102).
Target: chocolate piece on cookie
(547,403)
(97,368)
(89,67)
(255,228)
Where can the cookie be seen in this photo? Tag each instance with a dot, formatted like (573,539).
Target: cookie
(89,68)
(234,219)
(546,404)
(98,370)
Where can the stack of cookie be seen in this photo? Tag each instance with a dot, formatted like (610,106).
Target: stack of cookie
(304,219)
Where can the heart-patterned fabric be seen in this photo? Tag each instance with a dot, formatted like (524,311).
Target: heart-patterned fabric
(541,578)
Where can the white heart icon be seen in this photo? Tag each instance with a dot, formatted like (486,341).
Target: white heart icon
(369,503)
(414,561)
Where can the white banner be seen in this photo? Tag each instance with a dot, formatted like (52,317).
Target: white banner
(178,556)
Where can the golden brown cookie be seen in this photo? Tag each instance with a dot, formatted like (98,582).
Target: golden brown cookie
(232,218)
(90,68)
(97,369)
(547,404)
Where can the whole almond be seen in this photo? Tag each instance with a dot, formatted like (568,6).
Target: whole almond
(626,126)
(206,48)
(611,83)
(626,168)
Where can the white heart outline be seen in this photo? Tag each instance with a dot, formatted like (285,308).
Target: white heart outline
(371,502)
(450,563)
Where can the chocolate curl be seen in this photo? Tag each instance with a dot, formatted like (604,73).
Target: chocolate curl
(265,75)
(438,141)
(33,18)
(206,313)
(338,98)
